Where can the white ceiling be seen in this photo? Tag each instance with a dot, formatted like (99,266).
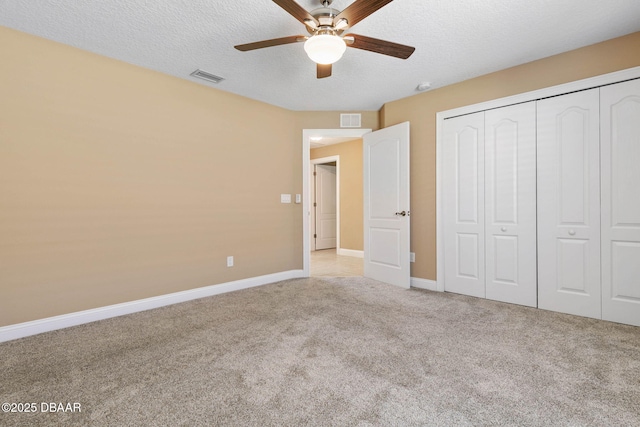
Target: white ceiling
(455,40)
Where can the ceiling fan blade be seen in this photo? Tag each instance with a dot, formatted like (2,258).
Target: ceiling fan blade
(379,46)
(323,70)
(269,43)
(360,9)
(296,11)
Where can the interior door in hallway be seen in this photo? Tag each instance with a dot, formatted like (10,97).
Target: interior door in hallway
(386,205)
(325,207)
(620,166)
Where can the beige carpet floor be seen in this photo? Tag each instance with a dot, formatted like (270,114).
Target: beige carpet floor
(330,352)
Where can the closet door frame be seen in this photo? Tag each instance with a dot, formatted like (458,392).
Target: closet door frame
(593,82)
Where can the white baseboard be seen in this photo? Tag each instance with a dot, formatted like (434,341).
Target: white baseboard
(350,252)
(21,330)
(429,285)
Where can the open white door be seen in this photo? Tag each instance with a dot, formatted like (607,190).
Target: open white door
(386,205)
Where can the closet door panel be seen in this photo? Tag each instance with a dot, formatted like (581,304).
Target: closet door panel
(463,156)
(620,139)
(510,204)
(569,204)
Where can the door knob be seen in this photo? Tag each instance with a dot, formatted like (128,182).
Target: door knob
(572,232)
(403,213)
(503,228)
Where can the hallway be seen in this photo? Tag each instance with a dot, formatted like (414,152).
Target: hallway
(327,263)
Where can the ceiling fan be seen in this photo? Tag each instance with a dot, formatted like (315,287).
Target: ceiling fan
(326,27)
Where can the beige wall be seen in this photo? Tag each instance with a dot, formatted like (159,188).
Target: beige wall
(118,183)
(350,153)
(420,110)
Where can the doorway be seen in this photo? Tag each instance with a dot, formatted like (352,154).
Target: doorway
(307,135)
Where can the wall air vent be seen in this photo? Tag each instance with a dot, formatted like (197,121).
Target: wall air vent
(207,76)
(350,120)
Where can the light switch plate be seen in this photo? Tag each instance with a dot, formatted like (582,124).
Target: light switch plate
(285,198)
(298,198)
(412,257)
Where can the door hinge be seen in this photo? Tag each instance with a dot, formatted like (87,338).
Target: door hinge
(315,204)
(315,236)
(314,173)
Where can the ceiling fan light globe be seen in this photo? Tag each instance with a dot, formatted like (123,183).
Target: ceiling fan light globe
(324,48)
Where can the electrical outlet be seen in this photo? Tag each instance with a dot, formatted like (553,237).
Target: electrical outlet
(412,257)
(229,261)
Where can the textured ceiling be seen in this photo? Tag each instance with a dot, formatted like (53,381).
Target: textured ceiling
(455,40)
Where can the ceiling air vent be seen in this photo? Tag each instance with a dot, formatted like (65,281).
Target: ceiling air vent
(350,120)
(207,76)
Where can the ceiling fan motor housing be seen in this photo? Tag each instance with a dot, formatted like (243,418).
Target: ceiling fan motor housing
(325,16)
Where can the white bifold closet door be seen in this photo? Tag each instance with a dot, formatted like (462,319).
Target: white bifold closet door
(490,200)
(463,198)
(620,164)
(510,204)
(569,204)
